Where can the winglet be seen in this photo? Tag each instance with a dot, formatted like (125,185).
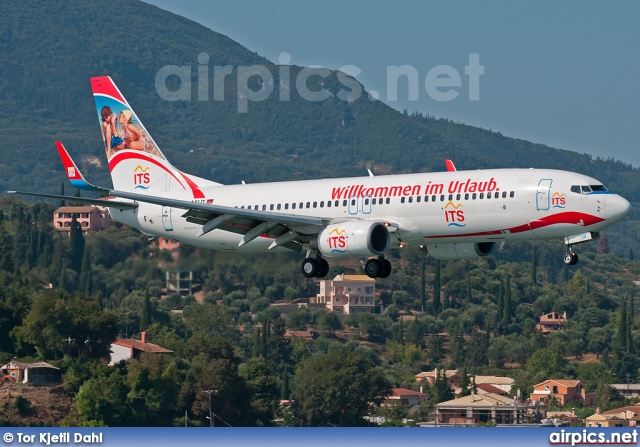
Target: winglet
(450,165)
(73,173)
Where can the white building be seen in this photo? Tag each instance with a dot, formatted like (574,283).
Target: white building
(349,294)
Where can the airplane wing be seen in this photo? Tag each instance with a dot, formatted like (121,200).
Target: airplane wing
(287,230)
(106,202)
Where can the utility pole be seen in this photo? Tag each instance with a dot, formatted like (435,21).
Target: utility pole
(211,415)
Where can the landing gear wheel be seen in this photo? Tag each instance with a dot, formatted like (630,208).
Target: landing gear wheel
(373,268)
(323,268)
(386,269)
(570,258)
(310,267)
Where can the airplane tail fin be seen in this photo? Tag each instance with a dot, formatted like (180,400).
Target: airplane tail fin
(135,160)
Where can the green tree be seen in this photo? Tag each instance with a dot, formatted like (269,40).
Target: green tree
(534,267)
(436,289)
(465,384)
(76,241)
(507,303)
(329,322)
(547,362)
(338,388)
(440,390)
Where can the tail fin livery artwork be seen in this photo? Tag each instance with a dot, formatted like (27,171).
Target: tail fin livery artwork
(453,214)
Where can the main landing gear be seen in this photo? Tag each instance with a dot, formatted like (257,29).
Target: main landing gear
(315,267)
(377,268)
(570,258)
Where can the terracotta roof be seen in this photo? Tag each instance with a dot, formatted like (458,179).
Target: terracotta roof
(75,209)
(563,382)
(406,392)
(488,388)
(364,278)
(137,344)
(632,408)
(495,380)
(478,400)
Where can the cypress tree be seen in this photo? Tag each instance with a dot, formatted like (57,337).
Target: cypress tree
(501,300)
(62,201)
(464,383)
(534,268)
(446,303)
(436,289)
(76,244)
(423,295)
(145,314)
(469,296)
(629,336)
(507,302)
(622,328)
(256,342)
(284,390)
(85,274)
(630,252)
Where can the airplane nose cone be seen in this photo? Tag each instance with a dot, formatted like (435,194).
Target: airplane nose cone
(616,207)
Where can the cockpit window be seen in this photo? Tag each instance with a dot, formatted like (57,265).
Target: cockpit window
(598,188)
(575,188)
(585,189)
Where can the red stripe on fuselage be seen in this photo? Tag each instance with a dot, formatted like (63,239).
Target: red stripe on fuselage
(197,194)
(569,217)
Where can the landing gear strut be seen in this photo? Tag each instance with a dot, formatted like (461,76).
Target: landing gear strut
(570,258)
(377,268)
(315,267)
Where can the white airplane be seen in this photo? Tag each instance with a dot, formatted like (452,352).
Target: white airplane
(454,214)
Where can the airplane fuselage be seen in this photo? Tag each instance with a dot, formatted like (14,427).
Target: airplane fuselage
(428,208)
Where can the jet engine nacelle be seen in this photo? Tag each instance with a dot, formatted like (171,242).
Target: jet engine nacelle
(353,239)
(468,250)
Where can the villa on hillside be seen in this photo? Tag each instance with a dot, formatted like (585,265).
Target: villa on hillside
(349,294)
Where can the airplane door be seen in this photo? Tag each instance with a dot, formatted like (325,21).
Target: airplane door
(353,205)
(366,205)
(543,197)
(167,223)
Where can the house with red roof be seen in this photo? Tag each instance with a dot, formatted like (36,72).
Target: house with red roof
(129,348)
(563,391)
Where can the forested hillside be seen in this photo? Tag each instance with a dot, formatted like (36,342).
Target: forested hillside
(65,299)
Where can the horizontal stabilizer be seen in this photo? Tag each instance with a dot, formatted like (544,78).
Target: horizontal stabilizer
(100,202)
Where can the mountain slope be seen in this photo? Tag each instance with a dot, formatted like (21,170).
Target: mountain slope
(48,51)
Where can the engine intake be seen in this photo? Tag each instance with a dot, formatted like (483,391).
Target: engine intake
(468,250)
(353,239)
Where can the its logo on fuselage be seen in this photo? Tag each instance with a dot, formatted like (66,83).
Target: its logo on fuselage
(337,241)
(558,200)
(141,177)
(454,215)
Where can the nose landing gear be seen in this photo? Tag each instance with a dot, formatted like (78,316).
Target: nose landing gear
(570,258)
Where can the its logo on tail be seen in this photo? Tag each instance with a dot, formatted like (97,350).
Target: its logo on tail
(142,177)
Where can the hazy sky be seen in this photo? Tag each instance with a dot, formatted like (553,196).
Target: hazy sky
(561,73)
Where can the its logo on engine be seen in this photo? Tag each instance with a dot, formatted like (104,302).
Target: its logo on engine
(454,216)
(337,240)
(141,177)
(558,200)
